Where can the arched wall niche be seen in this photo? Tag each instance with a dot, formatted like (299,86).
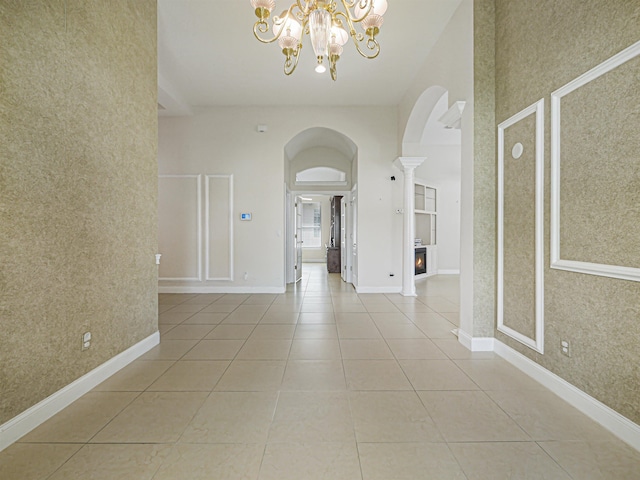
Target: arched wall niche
(320,147)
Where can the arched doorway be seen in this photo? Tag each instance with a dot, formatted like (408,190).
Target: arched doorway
(321,163)
(432,141)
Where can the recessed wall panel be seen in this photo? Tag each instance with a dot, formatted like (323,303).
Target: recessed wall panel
(599,172)
(520,228)
(179,227)
(595,170)
(219,227)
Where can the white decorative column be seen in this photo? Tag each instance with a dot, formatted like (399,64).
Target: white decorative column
(408,165)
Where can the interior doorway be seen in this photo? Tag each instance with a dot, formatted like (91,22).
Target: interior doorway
(299,242)
(320,173)
(320,242)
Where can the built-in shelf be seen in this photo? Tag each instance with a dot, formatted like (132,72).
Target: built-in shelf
(426,215)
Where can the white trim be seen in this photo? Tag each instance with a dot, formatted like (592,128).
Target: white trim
(198,228)
(449,271)
(617,424)
(182,289)
(207,240)
(23,423)
(364,289)
(452,118)
(475,344)
(311,183)
(536,343)
(614,271)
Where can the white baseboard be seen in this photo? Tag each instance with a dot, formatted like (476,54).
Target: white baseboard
(617,424)
(22,424)
(449,272)
(360,289)
(256,290)
(476,344)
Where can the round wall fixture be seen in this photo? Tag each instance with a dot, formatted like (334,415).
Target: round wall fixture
(516,151)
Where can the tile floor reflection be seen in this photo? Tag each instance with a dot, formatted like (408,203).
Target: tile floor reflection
(318,383)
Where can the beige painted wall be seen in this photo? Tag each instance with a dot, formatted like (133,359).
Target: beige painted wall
(78,186)
(541,46)
(224,141)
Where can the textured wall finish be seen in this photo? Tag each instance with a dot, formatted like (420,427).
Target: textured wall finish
(78,187)
(519,228)
(484,171)
(541,46)
(599,177)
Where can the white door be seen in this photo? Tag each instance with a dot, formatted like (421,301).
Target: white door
(298,239)
(289,243)
(343,239)
(354,237)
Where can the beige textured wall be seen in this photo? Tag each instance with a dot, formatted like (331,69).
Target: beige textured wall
(519,228)
(78,188)
(540,46)
(484,170)
(599,169)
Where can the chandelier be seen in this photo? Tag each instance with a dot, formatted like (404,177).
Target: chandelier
(328,28)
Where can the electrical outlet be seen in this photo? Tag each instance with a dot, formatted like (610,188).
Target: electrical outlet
(566,348)
(86,340)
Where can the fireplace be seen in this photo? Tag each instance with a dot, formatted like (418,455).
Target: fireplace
(421,261)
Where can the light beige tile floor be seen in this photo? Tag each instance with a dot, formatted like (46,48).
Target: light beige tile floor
(318,383)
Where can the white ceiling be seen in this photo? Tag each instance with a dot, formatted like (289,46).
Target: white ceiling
(208,56)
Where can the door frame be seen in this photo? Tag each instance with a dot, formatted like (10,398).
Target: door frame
(289,215)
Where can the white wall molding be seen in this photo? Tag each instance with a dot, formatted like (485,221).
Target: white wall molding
(617,424)
(211,289)
(207,227)
(614,271)
(452,118)
(475,344)
(198,277)
(536,343)
(449,272)
(23,423)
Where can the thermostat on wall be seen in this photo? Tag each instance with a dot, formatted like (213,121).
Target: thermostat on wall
(245,216)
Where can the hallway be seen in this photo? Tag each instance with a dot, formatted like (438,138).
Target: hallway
(318,383)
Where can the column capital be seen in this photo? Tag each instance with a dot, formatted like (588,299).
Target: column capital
(408,163)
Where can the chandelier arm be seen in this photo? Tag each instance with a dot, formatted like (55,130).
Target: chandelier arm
(372,43)
(305,9)
(262,26)
(290,65)
(332,68)
(348,5)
